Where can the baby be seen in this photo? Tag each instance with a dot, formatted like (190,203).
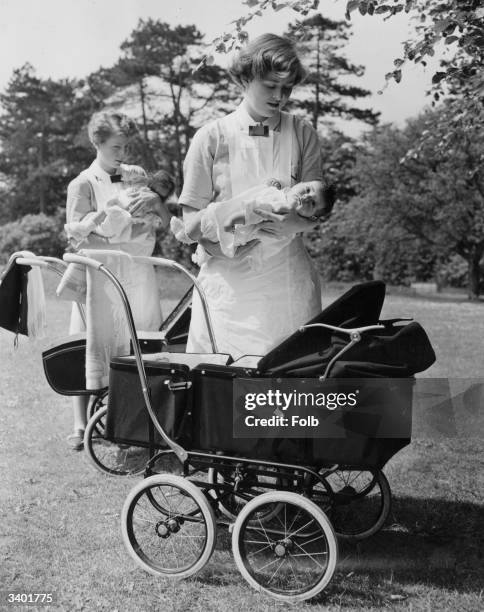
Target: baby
(115,221)
(235,222)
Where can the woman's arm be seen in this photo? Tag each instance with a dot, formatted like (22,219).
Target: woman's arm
(81,215)
(193,220)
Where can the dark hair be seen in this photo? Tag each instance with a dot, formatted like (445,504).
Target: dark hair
(105,124)
(162,183)
(265,54)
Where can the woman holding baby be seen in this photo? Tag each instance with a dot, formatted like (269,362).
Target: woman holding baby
(254,307)
(115,207)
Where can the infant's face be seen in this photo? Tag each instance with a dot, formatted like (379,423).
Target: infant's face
(163,185)
(308,198)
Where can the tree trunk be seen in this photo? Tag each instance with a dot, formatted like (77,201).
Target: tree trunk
(316,94)
(473,275)
(42,178)
(148,157)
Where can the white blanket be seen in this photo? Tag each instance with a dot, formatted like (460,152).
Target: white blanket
(107,327)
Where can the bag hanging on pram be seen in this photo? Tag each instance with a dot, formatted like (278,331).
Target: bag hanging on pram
(13,297)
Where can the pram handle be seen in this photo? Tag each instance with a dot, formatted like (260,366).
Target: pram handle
(351,331)
(46,262)
(354,334)
(97,265)
(30,261)
(80,259)
(155,261)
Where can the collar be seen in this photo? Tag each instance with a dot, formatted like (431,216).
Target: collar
(99,172)
(245,119)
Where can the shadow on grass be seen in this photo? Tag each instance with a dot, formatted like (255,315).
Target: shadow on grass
(430,543)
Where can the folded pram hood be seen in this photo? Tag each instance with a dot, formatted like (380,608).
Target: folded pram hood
(396,351)
(360,305)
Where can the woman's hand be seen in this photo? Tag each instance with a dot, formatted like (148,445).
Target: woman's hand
(145,202)
(148,201)
(282,225)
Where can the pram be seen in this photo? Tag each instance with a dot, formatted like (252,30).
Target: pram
(273,494)
(65,359)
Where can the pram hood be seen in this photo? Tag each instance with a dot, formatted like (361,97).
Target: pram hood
(395,351)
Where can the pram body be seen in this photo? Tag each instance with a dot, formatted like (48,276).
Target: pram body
(200,411)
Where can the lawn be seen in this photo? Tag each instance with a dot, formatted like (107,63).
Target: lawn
(60,519)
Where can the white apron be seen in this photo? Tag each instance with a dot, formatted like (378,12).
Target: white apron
(254,310)
(139,280)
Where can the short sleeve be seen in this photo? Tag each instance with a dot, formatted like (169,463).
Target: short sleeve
(80,200)
(311,162)
(198,172)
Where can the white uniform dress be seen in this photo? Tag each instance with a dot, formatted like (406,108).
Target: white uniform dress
(252,310)
(87,194)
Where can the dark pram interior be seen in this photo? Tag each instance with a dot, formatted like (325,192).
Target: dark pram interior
(194,404)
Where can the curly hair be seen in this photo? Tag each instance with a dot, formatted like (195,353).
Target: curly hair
(105,124)
(267,53)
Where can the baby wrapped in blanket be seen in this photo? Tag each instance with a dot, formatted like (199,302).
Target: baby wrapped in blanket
(235,222)
(114,221)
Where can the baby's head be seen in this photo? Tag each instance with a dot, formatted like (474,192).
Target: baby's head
(312,199)
(162,184)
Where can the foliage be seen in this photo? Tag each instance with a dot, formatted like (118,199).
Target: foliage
(40,234)
(157,69)
(169,247)
(326,92)
(429,193)
(458,24)
(39,146)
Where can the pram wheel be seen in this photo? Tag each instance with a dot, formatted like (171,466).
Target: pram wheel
(108,457)
(238,485)
(293,556)
(176,536)
(96,402)
(359,503)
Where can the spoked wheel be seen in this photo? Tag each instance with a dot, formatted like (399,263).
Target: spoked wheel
(108,457)
(359,503)
(292,556)
(174,538)
(96,402)
(240,486)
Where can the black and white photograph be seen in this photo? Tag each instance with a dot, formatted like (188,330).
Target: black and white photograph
(241,305)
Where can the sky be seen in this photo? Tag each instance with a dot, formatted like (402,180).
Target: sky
(71,38)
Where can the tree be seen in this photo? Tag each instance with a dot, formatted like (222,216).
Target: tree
(324,93)
(432,193)
(458,24)
(39,145)
(157,68)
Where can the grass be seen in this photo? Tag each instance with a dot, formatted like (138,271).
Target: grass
(59,528)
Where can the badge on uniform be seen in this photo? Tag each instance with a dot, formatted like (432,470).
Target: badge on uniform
(259,130)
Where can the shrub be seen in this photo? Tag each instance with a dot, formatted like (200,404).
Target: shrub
(41,234)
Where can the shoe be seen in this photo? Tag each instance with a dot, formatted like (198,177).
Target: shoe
(76,440)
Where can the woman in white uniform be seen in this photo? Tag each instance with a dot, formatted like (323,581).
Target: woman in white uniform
(253,310)
(87,197)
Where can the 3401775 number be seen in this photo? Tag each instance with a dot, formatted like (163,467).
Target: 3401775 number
(18,597)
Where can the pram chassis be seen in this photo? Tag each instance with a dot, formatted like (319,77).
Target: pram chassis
(293,479)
